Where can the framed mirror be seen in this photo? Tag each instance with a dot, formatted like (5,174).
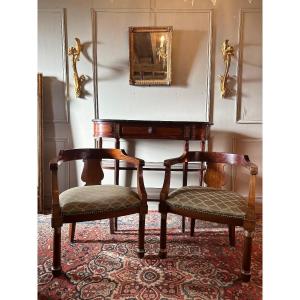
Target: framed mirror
(150,55)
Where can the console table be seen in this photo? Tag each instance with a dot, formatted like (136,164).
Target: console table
(138,129)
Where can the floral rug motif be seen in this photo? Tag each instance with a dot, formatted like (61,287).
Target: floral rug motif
(102,266)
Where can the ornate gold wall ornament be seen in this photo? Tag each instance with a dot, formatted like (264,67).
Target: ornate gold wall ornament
(227,52)
(75,53)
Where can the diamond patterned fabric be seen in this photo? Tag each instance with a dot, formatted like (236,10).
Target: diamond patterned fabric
(97,198)
(208,200)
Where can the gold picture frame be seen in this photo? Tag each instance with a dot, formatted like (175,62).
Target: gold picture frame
(150,50)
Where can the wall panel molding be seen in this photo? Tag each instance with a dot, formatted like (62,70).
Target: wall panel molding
(64,58)
(95,63)
(60,143)
(241,109)
(209,88)
(251,147)
(152,11)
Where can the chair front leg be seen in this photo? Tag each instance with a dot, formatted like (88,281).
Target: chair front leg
(231,231)
(246,265)
(72,228)
(111,226)
(192,226)
(56,267)
(163,236)
(116,223)
(141,248)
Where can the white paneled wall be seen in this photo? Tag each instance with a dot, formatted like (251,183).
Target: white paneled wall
(249,109)
(197,63)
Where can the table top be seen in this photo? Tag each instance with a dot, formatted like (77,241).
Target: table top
(152,121)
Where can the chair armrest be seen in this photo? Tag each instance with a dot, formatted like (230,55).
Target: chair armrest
(250,165)
(138,163)
(56,210)
(253,170)
(131,159)
(141,187)
(54,163)
(249,222)
(166,185)
(175,160)
(168,163)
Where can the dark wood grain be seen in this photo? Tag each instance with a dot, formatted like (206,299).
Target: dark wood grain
(92,172)
(72,228)
(40,126)
(231,230)
(214,176)
(92,175)
(145,129)
(139,129)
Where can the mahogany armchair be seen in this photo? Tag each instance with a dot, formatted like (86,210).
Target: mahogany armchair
(94,201)
(212,202)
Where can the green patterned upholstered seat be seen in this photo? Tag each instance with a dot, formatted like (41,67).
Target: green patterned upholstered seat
(208,200)
(97,198)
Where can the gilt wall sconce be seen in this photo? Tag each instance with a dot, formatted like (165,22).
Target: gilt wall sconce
(227,52)
(75,53)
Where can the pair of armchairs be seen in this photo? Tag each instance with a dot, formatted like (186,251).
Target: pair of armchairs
(94,201)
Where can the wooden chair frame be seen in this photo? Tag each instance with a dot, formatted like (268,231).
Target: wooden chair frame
(92,175)
(213,178)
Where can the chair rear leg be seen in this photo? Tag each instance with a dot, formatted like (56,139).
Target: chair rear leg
(231,231)
(141,248)
(72,228)
(111,226)
(246,265)
(56,267)
(116,223)
(163,236)
(192,226)
(183,224)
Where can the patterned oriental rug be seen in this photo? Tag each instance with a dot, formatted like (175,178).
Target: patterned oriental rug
(102,266)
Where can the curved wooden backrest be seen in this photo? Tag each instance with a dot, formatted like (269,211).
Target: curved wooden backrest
(214,175)
(92,172)
(90,153)
(218,157)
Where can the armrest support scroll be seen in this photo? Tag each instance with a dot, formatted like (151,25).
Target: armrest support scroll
(249,222)
(138,163)
(140,185)
(253,169)
(166,185)
(130,159)
(168,163)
